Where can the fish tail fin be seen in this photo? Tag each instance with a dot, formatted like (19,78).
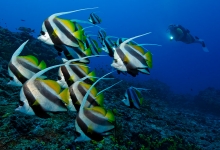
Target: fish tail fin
(79,34)
(65,96)
(42,65)
(88,52)
(100,99)
(148,57)
(92,74)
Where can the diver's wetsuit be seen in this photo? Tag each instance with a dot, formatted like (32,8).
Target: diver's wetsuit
(178,36)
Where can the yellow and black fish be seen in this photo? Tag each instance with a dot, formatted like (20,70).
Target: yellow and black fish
(69,74)
(65,35)
(77,91)
(133,97)
(39,96)
(93,123)
(132,58)
(22,68)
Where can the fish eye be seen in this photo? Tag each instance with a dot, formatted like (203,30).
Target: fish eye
(115,60)
(21,103)
(59,78)
(42,32)
(11,78)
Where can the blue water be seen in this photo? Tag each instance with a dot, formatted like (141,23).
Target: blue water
(185,68)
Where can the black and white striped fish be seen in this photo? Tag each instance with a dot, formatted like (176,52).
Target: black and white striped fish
(38,96)
(132,58)
(93,123)
(92,45)
(108,46)
(77,91)
(57,31)
(133,97)
(65,35)
(101,35)
(22,68)
(94,19)
(69,74)
(78,88)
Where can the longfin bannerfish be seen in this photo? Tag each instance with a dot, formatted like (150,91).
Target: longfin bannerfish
(133,97)
(131,58)
(94,19)
(77,91)
(46,93)
(22,68)
(69,74)
(97,120)
(57,31)
(101,35)
(108,46)
(93,45)
(41,96)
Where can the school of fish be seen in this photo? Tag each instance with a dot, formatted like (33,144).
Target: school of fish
(75,89)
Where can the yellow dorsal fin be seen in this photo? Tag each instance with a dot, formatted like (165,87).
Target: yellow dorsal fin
(65,96)
(93,74)
(42,65)
(88,52)
(138,48)
(87,86)
(36,103)
(53,85)
(132,43)
(110,116)
(70,25)
(100,99)
(79,35)
(32,59)
(98,109)
(148,57)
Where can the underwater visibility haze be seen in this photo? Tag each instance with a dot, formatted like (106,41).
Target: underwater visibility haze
(109,75)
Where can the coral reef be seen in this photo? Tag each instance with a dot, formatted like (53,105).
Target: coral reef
(208,101)
(157,125)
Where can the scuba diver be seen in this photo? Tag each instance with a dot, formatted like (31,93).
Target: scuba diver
(179,33)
